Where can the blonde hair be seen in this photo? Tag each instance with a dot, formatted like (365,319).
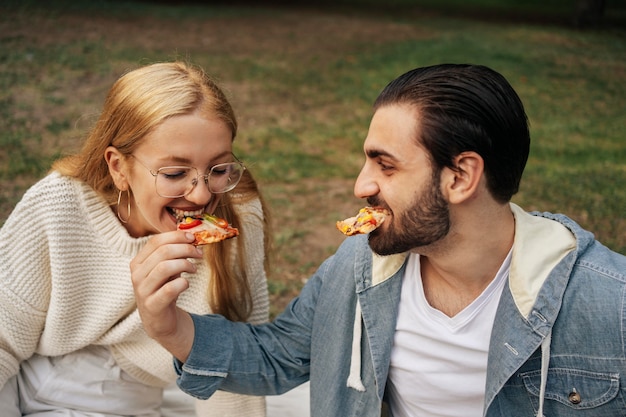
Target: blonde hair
(137,103)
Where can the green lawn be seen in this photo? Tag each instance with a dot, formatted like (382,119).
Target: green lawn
(302,80)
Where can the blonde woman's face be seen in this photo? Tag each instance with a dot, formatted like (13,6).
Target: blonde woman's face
(189,140)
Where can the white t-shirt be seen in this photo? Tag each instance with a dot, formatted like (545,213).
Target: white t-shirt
(439,363)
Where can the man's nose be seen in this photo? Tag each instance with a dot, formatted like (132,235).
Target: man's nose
(365,185)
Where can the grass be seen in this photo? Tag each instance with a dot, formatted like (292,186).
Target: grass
(302,80)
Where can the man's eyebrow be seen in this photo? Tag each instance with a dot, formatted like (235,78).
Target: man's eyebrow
(376,153)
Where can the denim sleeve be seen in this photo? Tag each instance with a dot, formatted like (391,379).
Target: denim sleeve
(266,359)
(211,352)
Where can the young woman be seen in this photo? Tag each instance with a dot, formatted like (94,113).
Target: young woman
(71,339)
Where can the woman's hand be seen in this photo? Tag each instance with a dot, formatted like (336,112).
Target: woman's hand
(155,273)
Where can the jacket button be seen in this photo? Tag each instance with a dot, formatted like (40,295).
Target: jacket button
(574,397)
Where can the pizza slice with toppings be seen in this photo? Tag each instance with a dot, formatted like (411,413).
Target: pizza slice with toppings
(207,228)
(367,220)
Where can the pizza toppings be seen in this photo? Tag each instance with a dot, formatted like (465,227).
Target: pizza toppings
(188,223)
(207,228)
(368,219)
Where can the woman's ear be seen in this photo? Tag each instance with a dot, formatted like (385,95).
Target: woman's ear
(462,183)
(118,167)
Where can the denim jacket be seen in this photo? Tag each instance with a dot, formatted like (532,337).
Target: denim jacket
(558,344)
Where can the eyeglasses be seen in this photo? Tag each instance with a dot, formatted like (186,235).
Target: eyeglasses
(179,181)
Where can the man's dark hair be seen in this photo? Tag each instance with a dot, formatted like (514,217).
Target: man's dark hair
(462,107)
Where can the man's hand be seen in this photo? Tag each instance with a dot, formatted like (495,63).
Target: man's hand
(155,273)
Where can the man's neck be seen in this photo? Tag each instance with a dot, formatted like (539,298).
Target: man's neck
(459,269)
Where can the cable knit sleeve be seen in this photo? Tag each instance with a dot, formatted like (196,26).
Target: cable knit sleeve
(25,282)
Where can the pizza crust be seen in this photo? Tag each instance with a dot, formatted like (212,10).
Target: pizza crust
(204,237)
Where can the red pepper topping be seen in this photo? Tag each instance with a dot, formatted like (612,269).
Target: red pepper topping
(189,222)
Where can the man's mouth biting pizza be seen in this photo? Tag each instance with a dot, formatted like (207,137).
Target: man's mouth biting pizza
(367,220)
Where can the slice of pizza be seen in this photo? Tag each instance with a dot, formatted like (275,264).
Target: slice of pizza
(368,219)
(207,228)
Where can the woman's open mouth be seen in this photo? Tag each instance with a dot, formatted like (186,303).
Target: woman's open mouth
(179,214)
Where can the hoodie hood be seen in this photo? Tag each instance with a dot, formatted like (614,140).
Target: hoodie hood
(539,245)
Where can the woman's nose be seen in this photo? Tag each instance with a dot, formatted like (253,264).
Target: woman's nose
(200,194)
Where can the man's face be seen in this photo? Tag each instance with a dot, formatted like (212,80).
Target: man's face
(398,175)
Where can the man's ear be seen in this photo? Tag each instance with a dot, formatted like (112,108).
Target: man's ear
(118,167)
(462,183)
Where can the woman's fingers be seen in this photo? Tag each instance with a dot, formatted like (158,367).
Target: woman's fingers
(165,256)
(158,241)
(157,282)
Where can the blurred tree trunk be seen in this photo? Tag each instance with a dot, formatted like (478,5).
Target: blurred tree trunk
(589,12)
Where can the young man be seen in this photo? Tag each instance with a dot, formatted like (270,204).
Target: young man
(460,304)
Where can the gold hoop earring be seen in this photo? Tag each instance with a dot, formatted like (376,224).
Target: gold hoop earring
(119,199)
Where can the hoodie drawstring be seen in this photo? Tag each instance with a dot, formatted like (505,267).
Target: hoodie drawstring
(354,379)
(545,362)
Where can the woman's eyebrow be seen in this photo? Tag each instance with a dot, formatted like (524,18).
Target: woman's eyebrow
(177,160)
(187,161)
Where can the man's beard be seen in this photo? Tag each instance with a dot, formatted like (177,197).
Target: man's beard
(426,222)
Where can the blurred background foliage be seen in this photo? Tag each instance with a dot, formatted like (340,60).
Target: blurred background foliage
(302,77)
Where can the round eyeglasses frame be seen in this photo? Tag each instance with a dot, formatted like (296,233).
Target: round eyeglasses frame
(232,182)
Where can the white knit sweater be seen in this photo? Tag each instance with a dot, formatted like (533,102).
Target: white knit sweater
(65,283)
